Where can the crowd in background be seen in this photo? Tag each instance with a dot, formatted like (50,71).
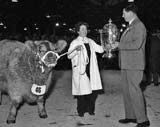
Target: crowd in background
(152,51)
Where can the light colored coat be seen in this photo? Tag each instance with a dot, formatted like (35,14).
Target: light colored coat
(132,47)
(81,85)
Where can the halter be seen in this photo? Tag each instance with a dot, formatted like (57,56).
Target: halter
(55,55)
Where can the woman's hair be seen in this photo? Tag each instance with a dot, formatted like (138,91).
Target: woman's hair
(131,7)
(77,26)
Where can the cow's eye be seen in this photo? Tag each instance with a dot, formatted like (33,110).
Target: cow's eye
(43,51)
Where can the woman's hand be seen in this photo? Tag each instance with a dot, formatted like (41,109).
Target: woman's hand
(73,52)
(79,47)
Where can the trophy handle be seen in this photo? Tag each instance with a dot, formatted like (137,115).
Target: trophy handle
(103,44)
(101,40)
(110,53)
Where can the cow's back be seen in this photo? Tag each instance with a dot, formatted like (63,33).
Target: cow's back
(8,48)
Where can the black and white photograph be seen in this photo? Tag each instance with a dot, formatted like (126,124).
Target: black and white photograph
(79,63)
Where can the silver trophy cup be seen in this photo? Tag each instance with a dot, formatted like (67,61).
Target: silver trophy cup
(108,36)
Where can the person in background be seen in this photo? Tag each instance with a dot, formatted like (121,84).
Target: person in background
(153,59)
(132,64)
(85,72)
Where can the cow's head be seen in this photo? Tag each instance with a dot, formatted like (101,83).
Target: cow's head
(46,52)
(47,55)
(43,60)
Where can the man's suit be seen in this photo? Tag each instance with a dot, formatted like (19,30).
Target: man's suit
(132,63)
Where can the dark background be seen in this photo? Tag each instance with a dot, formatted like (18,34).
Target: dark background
(95,12)
(41,16)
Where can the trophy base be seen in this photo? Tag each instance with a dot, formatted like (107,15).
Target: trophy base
(108,55)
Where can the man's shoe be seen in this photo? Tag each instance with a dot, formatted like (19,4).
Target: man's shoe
(91,113)
(156,84)
(125,121)
(143,124)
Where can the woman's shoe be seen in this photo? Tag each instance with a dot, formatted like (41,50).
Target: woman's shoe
(81,114)
(91,113)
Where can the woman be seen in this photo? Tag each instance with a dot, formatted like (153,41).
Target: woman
(85,76)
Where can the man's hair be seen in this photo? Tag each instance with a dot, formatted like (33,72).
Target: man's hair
(77,26)
(131,7)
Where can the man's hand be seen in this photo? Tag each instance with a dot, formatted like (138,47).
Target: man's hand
(108,46)
(112,46)
(115,45)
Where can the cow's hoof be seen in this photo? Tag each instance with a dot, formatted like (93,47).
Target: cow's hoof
(43,116)
(11,121)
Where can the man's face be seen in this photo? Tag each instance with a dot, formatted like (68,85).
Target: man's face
(82,31)
(127,15)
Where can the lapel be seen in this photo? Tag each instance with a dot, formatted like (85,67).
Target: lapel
(130,27)
(134,22)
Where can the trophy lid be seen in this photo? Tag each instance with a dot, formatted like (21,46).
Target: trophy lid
(110,30)
(110,20)
(110,25)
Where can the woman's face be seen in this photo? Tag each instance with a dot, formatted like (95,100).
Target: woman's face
(82,31)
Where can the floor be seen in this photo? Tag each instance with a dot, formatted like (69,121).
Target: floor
(61,105)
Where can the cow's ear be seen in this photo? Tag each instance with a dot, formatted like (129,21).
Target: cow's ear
(60,45)
(31,45)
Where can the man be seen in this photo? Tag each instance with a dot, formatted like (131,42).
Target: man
(132,63)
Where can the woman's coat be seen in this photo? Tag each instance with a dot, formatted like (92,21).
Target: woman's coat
(81,85)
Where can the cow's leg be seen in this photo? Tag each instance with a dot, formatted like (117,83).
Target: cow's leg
(41,108)
(13,110)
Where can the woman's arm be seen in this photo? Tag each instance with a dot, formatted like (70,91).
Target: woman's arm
(73,50)
(97,48)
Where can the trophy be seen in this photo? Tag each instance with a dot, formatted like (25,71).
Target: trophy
(108,36)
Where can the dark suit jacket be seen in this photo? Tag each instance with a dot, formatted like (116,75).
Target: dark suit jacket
(154,54)
(132,46)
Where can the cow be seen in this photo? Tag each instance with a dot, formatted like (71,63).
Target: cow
(24,75)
